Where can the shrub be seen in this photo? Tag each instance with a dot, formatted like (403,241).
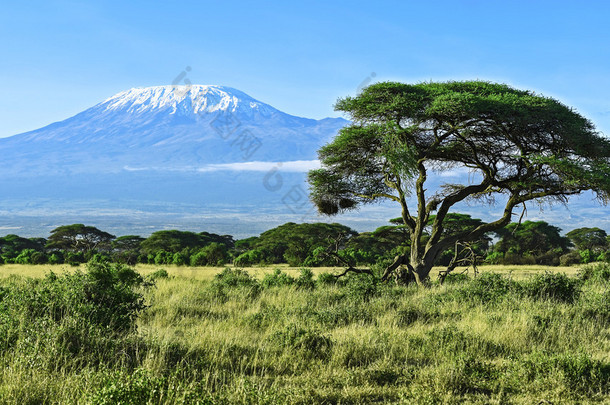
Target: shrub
(138,387)
(199,259)
(487,288)
(361,286)
(215,254)
(161,273)
(570,259)
(234,282)
(305,280)
(311,342)
(234,278)
(25,256)
(552,286)
(597,307)
(457,278)
(326,279)
(99,258)
(74,258)
(277,279)
(595,273)
(85,315)
(586,256)
(163,257)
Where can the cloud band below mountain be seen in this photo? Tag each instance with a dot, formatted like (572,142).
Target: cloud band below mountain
(298,166)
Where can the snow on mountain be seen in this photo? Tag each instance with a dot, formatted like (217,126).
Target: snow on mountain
(186,99)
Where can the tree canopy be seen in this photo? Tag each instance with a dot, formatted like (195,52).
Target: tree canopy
(78,238)
(518,145)
(588,238)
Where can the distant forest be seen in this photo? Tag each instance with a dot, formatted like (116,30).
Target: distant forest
(307,244)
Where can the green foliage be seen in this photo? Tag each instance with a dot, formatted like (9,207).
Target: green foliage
(12,245)
(305,280)
(457,278)
(326,279)
(136,388)
(570,258)
(277,279)
(360,287)
(235,280)
(249,258)
(598,273)
(295,243)
(487,288)
(215,254)
(536,240)
(326,345)
(552,286)
(586,256)
(79,238)
(519,144)
(158,274)
(588,238)
(73,321)
(175,241)
(311,342)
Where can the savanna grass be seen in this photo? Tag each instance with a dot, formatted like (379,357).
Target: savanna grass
(238,339)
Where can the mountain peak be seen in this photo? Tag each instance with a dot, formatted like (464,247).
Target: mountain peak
(185,99)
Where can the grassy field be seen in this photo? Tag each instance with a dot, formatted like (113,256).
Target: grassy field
(208,273)
(233,339)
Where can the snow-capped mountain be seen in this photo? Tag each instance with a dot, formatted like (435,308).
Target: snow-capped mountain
(167,128)
(169,156)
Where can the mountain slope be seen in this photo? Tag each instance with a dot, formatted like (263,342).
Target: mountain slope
(166,128)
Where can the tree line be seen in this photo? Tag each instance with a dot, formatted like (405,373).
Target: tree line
(310,245)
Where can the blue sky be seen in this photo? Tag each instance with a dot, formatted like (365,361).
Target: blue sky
(61,57)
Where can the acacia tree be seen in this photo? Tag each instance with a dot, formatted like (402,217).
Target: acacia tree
(79,238)
(520,146)
(588,238)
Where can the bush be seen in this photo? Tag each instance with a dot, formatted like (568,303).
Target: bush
(311,342)
(487,288)
(277,279)
(74,258)
(494,258)
(234,278)
(595,273)
(552,286)
(85,315)
(361,286)
(570,259)
(138,387)
(163,257)
(161,273)
(326,279)
(305,280)
(456,278)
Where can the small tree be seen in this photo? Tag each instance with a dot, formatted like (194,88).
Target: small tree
(519,146)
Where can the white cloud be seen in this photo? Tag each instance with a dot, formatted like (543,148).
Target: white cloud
(291,166)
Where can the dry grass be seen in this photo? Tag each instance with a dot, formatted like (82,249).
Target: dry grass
(208,272)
